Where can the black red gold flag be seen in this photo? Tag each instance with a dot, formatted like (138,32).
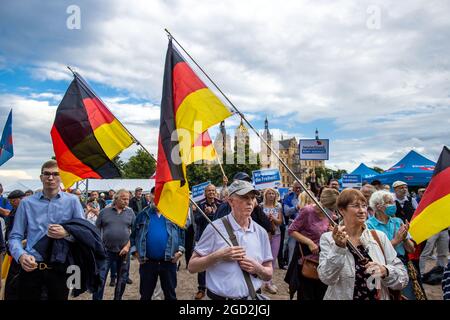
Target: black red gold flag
(188,109)
(86,136)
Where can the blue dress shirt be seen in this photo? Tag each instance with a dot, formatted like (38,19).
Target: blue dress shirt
(33,217)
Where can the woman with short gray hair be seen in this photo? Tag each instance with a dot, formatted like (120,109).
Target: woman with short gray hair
(384,220)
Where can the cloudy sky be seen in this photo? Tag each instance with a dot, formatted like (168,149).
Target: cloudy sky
(372,76)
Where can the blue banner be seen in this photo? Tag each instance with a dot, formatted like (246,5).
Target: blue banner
(198,191)
(268,178)
(351,181)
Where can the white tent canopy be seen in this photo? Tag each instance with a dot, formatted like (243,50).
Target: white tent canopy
(93,184)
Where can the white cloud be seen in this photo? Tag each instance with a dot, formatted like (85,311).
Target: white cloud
(384,90)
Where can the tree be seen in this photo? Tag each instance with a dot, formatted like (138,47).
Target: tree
(139,166)
(327,174)
(378,169)
(197,173)
(119,164)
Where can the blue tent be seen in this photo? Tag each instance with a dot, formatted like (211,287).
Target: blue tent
(414,169)
(365,172)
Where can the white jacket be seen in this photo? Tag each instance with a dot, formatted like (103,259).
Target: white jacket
(337,266)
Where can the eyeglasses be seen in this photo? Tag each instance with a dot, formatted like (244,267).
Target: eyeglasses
(48,174)
(357,206)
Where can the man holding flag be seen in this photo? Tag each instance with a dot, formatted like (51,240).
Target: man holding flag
(188,109)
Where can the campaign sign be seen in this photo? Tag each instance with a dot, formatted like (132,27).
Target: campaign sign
(198,191)
(312,149)
(283,192)
(267,178)
(351,181)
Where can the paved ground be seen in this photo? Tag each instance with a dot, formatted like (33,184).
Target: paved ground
(187,286)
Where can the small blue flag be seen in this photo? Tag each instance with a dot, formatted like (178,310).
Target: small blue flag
(6,145)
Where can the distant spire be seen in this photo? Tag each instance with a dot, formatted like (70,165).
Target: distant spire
(317,134)
(266,124)
(222,127)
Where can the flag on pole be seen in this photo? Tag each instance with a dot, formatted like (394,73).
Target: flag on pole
(202,149)
(6,143)
(188,109)
(433,213)
(86,136)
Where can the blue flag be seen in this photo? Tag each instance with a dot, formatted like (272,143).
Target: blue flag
(6,146)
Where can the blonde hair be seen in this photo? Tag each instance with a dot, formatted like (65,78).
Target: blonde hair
(328,198)
(274,200)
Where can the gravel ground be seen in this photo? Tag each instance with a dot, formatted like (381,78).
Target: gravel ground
(187,286)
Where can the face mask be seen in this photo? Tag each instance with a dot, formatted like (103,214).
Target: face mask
(390,210)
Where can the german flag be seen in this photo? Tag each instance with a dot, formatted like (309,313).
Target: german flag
(202,149)
(188,109)
(433,213)
(86,136)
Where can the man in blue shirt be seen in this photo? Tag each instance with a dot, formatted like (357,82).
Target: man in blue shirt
(158,244)
(39,215)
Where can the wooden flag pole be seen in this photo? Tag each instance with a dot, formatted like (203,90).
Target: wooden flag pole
(308,192)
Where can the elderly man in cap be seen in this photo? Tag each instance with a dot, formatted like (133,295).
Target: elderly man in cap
(225,265)
(138,203)
(406,205)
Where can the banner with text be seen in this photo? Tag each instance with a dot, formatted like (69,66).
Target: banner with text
(312,149)
(351,181)
(198,191)
(267,178)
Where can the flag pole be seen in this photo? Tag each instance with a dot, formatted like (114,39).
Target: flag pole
(151,155)
(308,192)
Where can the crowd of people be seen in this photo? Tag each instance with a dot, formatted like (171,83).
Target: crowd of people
(347,244)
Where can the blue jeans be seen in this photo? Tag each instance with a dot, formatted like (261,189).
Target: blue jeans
(201,278)
(122,265)
(149,273)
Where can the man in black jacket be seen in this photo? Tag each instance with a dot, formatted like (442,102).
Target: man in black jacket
(138,203)
(84,249)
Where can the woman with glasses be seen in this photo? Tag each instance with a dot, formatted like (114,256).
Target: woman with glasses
(384,220)
(348,275)
(307,229)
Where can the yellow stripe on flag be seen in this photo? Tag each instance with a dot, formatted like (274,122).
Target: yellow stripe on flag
(433,219)
(113,138)
(68,179)
(5,266)
(202,153)
(174,201)
(199,111)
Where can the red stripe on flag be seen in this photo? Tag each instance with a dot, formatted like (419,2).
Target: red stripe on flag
(97,113)
(67,160)
(438,188)
(163,170)
(203,140)
(184,82)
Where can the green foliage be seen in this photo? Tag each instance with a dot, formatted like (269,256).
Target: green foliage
(327,173)
(139,166)
(378,169)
